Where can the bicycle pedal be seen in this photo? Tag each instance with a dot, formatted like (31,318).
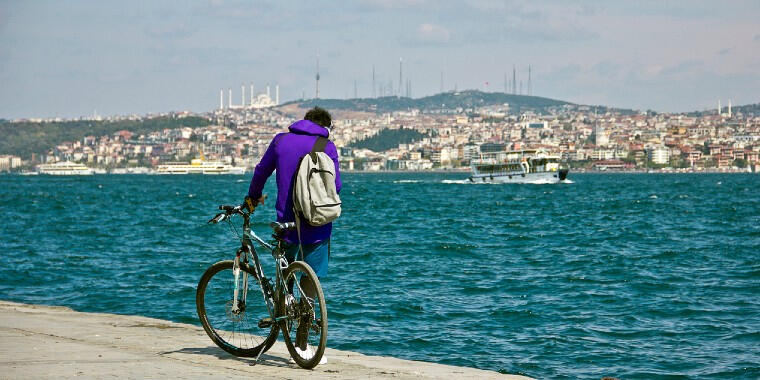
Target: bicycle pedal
(265,323)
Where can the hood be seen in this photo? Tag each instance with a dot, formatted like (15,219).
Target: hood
(306,127)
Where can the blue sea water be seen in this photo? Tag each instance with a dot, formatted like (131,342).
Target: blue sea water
(641,276)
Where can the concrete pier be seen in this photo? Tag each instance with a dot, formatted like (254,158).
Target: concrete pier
(47,342)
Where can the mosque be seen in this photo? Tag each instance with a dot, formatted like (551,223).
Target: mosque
(262,100)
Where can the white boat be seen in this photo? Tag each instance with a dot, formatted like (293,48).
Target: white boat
(64,168)
(199,166)
(517,166)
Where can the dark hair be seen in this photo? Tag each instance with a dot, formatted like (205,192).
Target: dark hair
(320,116)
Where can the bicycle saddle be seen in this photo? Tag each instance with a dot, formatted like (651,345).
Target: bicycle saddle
(281,228)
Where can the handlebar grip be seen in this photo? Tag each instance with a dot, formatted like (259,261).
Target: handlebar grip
(226,208)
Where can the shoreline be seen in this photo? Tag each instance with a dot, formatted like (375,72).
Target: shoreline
(432,171)
(57,342)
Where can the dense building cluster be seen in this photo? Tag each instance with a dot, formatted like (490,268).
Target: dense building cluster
(586,140)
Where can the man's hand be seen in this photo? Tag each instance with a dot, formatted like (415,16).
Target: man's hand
(250,203)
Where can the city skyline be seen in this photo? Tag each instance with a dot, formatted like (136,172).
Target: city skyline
(69,60)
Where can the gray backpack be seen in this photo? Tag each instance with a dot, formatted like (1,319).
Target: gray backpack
(315,199)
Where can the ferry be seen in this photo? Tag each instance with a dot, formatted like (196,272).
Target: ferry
(199,166)
(518,166)
(64,168)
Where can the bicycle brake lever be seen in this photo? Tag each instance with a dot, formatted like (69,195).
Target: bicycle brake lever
(216,219)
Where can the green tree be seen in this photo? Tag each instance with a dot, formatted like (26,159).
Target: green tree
(25,138)
(388,139)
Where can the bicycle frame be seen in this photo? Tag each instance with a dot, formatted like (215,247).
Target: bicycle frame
(268,291)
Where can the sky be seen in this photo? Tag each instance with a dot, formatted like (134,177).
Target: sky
(75,58)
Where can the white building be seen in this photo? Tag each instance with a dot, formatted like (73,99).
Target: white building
(659,155)
(601,137)
(8,162)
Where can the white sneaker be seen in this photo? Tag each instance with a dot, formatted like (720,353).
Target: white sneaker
(308,353)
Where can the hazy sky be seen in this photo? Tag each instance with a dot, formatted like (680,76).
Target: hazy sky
(70,58)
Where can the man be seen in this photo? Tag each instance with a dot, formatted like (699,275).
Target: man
(283,155)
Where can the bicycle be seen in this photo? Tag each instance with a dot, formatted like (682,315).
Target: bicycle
(246,323)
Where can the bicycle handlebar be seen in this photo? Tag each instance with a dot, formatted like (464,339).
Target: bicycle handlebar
(239,209)
(232,209)
(228,211)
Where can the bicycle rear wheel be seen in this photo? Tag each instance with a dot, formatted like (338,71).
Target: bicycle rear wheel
(305,328)
(236,332)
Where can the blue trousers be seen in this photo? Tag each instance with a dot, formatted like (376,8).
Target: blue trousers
(316,255)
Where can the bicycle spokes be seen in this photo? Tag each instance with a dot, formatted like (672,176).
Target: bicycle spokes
(305,328)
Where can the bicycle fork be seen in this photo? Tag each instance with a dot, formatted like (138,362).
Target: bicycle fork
(236,273)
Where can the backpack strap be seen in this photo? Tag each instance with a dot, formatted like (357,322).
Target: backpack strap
(298,230)
(319,146)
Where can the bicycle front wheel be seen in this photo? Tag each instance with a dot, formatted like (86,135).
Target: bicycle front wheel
(305,327)
(244,330)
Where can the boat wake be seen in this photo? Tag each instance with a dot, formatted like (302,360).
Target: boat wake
(536,182)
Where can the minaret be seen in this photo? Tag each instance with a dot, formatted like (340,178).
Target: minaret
(277,94)
(400,83)
(441,81)
(317,95)
(720,110)
(229,101)
(242,95)
(355,95)
(221,99)
(374,93)
(729,108)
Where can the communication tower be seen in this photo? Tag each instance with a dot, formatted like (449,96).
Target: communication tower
(514,81)
(400,83)
(317,77)
(530,87)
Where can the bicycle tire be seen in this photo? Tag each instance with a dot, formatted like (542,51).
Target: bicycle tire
(214,294)
(319,325)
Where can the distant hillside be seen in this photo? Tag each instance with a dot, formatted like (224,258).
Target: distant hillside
(388,139)
(447,100)
(24,138)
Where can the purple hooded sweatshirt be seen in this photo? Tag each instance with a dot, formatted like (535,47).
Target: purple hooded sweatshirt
(283,154)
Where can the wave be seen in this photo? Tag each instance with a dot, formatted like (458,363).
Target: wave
(407,181)
(535,182)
